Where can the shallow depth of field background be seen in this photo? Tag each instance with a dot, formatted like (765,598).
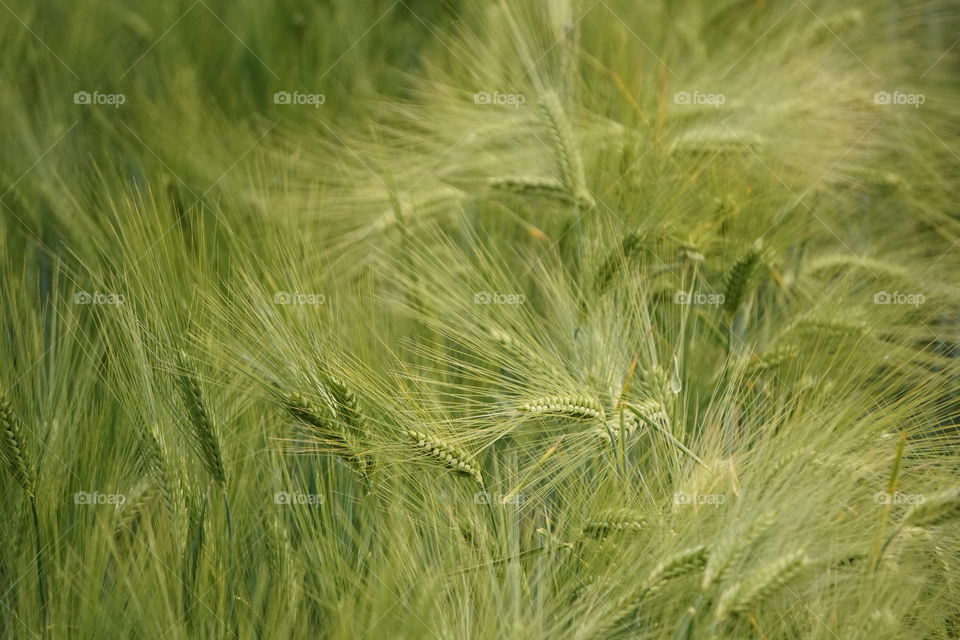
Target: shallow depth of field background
(441,319)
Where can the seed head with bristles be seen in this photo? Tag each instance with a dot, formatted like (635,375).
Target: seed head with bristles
(532,186)
(676,565)
(573,406)
(746,595)
(613,431)
(157,467)
(203,432)
(12,449)
(936,510)
(727,554)
(614,521)
(322,433)
(346,404)
(445,454)
(566,151)
(652,412)
(738,279)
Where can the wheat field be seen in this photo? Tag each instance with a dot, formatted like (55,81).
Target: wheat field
(535,319)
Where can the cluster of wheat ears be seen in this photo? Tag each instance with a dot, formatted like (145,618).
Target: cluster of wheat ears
(660,341)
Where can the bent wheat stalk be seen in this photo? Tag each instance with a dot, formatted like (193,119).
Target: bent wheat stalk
(203,432)
(13,452)
(747,595)
(322,432)
(614,521)
(566,151)
(674,566)
(573,406)
(445,454)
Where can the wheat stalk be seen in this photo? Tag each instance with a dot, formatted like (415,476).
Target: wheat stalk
(566,151)
(321,430)
(445,454)
(613,431)
(725,556)
(157,467)
(652,412)
(133,513)
(532,186)
(628,246)
(204,434)
(12,446)
(573,406)
(13,451)
(614,521)
(744,596)
(738,279)
(346,404)
(774,358)
(673,566)
(936,510)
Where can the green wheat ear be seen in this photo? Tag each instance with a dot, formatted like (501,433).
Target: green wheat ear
(726,555)
(346,404)
(747,595)
(630,245)
(613,431)
(531,186)
(614,521)
(565,147)
(577,407)
(12,446)
(323,432)
(936,510)
(157,467)
(738,280)
(674,566)
(445,454)
(203,432)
